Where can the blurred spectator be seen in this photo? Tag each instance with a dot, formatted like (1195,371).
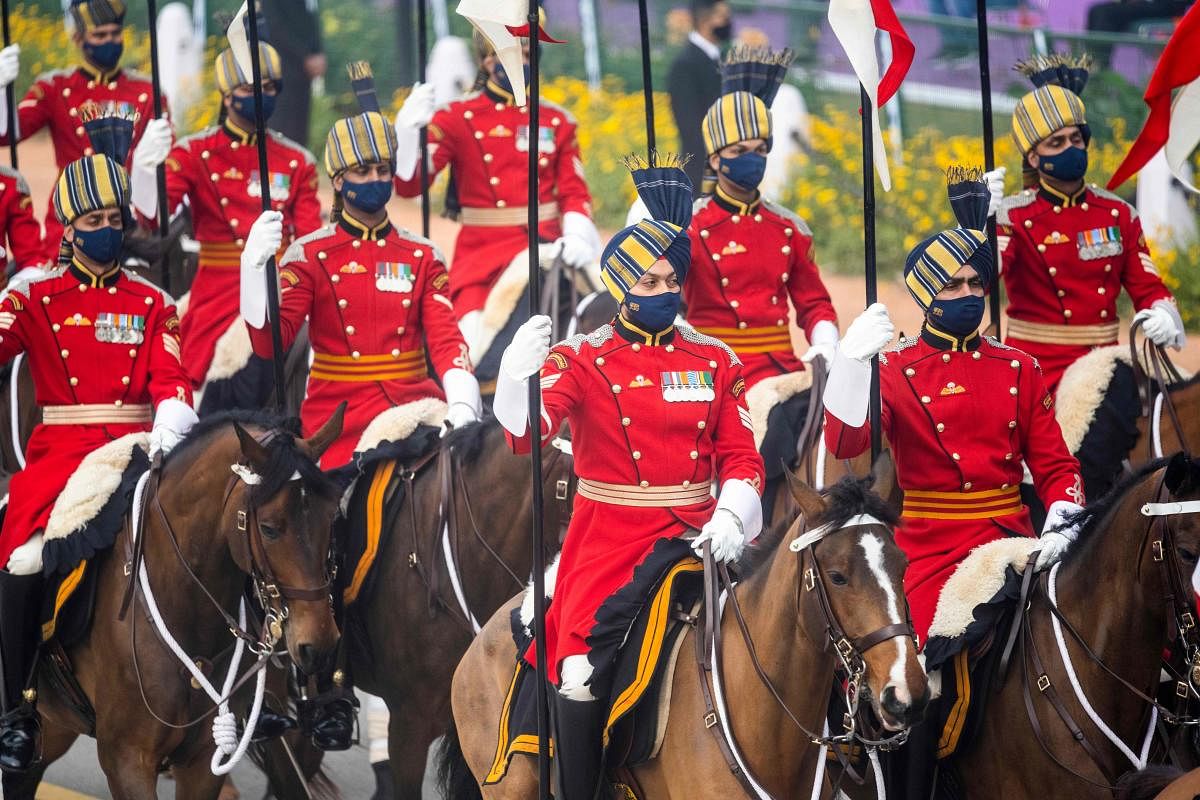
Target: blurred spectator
(957,43)
(694,81)
(1120,16)
(295,32)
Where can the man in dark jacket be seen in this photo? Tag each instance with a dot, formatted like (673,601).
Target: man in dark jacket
(694,81)
(296,33)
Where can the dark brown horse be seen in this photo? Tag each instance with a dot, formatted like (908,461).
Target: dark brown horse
(407,630)
(1121,594)
(847,577)
(241,501)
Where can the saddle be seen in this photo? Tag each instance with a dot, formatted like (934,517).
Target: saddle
(634,681)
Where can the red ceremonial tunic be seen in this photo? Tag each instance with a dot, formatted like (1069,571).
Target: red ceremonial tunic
(217,171)
(1064,261)
(485,141)
(53,101)
(747,262)
(17,224)
(376,308)
(104,353)
(653,427)
(960,418)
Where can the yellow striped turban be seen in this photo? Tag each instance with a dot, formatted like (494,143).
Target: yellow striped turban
(932,263)
(229,73)
(1055,103)
(735,117)
(89,14)
(90,184)
(366,138)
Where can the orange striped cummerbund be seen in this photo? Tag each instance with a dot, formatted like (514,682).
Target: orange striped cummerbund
(220,255)
(753,340)
(962,505)
(406,365)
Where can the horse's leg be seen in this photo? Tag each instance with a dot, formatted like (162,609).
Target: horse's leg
(56,741)
(195,781)
(132,772)
(410,730)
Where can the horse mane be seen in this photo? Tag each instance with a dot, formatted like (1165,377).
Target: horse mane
(467,441)
(1094,514)
(847,498)
(284,459)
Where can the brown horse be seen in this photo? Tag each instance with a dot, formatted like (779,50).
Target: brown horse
(241,501)
(19,414)
(798,588)
(1122,592)
(407,630)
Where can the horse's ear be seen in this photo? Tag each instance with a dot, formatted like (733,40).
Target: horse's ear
(1183,474)
(883,480)
(253,451)
(319,442)
(810,501)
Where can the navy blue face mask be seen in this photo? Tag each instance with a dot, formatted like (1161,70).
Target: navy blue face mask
(1069,165)
(244,106)
(369,196)
(500,76)
(105,56)
(102,245)
(746,170)
(653,314)
(959,317)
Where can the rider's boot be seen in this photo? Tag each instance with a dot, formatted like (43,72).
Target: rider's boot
(914,766)
(578,747)
(334,712)
(19,640)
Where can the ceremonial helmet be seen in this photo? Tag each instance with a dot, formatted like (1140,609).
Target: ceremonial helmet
(667,193)
(750,79)
(89,14)
(1055,103)
(99,180)
(933,262)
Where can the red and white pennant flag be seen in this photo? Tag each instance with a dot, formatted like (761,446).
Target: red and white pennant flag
(1173,125)
(855,23)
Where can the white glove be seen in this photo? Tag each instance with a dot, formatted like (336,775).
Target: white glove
(172,421)
(10,64)
(529,348)
(155,144)
(464,404)
(27,559)
(1163,324)
(823,343)
(724,531)
(266,234)
(580,241)
(995,184)
(415,114)
(1057,534)
(868,334)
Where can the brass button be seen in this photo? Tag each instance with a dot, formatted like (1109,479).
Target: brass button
(224,201)
(644,484)
(493,180)
(500,204)
(670,348)
(132,353)
(600,361)
(64,352)
(636,347)
(293,163)
(1061,293)
(716,256)
(56,327)
(616,387)
(343,302)
(418,253)
(149,301)
(1108,267)
(400,330)
(637,455)
(1101,290)
(701,424)
(214,177)
(741,325)
(1053,271)
(468,114)
(783,277)
(74,381)
(1008,456)
(1041,248)
(1013,391)
(1014,363)
(1004,486)
(946,357)
(118,403)
(335,278)
(967,486)
(976,355)
(910,372)
(712,364)
(787,248)
(736,218)
(926,399)
(1028,223)
(694,455)
(478,134)
(125,380)
(1012,423)
(1116,213)
(487,158)
(1104,313)
(1084,206)
(955,456)
(1058,209)
(734,304)
(941,426)
(704,234)
(233,222)
(406,302)
(625,421)
(1067,313)
(356,355)
(686,484)
(350,330)
(395,352)
(543,162)
(724,281)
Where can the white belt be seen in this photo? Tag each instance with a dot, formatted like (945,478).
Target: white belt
(96,414)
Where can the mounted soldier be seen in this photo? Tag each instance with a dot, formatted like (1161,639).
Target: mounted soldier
(658,415)
(55,98)
(105,354)
(1068,248)
(751,255)
(18,227)
(485,140)
(217,171)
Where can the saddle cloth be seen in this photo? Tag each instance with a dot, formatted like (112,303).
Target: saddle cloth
(85,522)
(637,688)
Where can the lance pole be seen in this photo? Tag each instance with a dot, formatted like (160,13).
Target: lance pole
(264,182)
(160,172)
(422,59)
(868,171)
(647,82)
(535,417)
(10,95)
(989,151)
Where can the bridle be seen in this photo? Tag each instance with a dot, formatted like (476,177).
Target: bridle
(850,651)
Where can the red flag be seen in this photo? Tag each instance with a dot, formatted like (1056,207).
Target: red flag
(1177,66)
(902,49)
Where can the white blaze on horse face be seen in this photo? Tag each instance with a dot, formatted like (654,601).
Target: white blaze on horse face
(872,545)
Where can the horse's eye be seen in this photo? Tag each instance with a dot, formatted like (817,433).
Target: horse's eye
(269,531)
(837,579)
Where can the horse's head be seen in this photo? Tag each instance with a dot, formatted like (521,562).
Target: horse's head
(282,538)
(852,587)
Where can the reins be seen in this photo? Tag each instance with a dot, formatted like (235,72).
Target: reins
(1165,375)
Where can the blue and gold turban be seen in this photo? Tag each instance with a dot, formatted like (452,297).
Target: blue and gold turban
(97,181)
(750,79)
(366,138)
(932,263)
(230,75)
(1055,103)
(667,193)
(89,14)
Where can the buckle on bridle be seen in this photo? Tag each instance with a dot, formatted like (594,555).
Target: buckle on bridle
(844,647)
(561,489)
(710,719)
(241,521)
(1156,550)
(271,591)
(1181,689)
(1043,683)
(810,579)
(1186,621)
